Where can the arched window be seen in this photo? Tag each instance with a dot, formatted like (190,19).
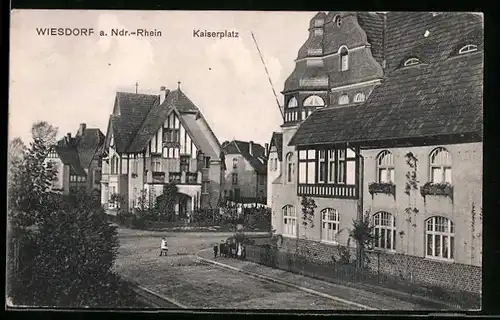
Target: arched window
(439,238)
(467,49)
(385,167)
(337,21)
(440,165)
(314,101)
(411,62)
(290,167)
(289,220)
(344,58)
(384,225)
(114,165)
(344,99)
(359,97)
(329,225)
(292,103)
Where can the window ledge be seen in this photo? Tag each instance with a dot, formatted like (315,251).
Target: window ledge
(333,243)
(438,259)
(379,250)
(289,236)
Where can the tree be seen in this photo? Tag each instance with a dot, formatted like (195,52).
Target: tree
(363,235)
(65,244)
(43,131)
(165,203)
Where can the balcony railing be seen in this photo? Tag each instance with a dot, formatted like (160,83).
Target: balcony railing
(185,177)
(158,176)
(328,191)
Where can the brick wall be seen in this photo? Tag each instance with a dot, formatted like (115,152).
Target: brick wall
(401,267)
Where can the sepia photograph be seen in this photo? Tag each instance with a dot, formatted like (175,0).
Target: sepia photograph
(245,161)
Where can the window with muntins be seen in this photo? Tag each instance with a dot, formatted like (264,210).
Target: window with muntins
(171,135)
(344,99)
(440,165)
(184,163)
(329,225)
(359,97)
(289,220)
(385,167)
(314,101)
(467,49)
(156,165)
(411,62)
(293,103)
(290,165)
(330,166)
(384,230)
(439,238)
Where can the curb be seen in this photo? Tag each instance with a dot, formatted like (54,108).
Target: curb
(160,296)
(288,284)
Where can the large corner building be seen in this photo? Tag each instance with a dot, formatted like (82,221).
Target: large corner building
(383,116)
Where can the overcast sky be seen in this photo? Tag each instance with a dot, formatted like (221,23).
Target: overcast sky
(68,80)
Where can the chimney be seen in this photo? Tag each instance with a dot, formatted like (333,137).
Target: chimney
(68,137)
(82,128)
(250,148)
(266,151)
(163,94)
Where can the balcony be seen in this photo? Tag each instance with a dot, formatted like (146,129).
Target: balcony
(185,177)
(382,187)
(328,191)
(437,189)
(158,176)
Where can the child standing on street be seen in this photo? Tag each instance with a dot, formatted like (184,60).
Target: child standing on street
(216,250)
(163,247)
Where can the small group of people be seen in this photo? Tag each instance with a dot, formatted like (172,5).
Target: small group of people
(229,249)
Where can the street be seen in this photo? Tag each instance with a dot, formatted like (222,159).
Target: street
(183,278)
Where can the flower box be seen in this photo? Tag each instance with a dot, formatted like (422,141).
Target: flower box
(382,187)
(437,189)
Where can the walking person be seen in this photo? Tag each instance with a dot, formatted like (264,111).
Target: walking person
(216,250)
(163,247)
(239,251)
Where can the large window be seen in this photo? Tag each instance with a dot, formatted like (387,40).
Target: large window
(385,167)
(440,165)
(289,220)
(439,238)
(307,166)
(156,165)
(333,166)
(290,167)
(171,135)
(329,225)
(385,231)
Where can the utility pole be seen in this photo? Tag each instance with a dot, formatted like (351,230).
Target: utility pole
(268,77)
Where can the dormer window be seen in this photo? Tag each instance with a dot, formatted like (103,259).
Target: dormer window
(337,21)
(293,103)
(467,49)
(411,62)
(359,97)
(344,58)
(314,101)
(344,99)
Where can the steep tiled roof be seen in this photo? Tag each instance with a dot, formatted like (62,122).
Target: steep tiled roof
(88,144)
(191,123)
(258,157)
(69,156)
(130,111)
(428,100)
(174,100)
(277,140)
(373,24)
